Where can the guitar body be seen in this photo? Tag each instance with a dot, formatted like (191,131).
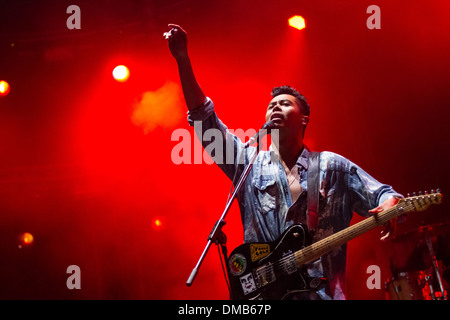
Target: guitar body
(268,271)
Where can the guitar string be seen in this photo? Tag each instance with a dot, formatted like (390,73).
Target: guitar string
(283,263)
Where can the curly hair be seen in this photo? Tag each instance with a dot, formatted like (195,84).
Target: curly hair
(300,99)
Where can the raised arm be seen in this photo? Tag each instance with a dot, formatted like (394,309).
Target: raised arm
(193,94)
(222,145)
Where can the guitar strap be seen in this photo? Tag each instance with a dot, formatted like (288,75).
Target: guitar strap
(313,191)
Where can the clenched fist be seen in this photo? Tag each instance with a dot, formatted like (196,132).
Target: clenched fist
(177,39)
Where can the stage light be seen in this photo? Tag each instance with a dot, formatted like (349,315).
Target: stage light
(157,224)
(4,88)
(121,73)
(25,239)
(297,22)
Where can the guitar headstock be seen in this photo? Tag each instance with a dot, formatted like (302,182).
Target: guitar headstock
(422,201)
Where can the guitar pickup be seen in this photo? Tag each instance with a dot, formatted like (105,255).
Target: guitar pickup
(265,275)
(289,264)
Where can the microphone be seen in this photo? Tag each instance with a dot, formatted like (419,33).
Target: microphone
(261,133)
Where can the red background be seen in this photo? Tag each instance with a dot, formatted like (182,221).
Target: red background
(87,182)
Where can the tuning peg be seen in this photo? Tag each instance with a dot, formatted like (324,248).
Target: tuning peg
(420,193)
(414,194)
(438,190)
(408,195)
(432,190)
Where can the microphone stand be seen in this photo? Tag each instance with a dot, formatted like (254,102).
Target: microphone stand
(217,236)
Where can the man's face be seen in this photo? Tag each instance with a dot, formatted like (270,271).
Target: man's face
(285,112)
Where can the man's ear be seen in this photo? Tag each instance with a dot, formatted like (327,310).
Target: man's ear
(305,120)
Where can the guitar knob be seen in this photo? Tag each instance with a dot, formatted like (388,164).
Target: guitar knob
(315,283)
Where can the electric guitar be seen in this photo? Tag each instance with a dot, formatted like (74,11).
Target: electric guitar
(276,270)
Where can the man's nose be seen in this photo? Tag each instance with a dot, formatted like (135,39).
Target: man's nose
(277,106)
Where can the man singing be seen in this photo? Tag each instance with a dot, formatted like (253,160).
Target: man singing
(274,196)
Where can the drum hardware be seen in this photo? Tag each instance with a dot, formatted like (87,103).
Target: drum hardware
(442,295)
(422,284)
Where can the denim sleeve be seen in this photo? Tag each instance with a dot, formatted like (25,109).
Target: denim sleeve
(367,192)
(222,146)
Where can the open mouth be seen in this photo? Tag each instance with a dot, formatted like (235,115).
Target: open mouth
(276,116)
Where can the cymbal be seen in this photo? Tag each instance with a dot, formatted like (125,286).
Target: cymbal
(418,233)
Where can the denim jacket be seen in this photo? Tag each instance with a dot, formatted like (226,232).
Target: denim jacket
(266,204)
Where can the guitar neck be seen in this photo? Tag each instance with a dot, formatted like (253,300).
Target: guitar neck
(321,247)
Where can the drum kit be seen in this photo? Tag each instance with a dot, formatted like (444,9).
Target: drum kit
(419,271)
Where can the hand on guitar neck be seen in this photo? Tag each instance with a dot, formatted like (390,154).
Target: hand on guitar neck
(391,225)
